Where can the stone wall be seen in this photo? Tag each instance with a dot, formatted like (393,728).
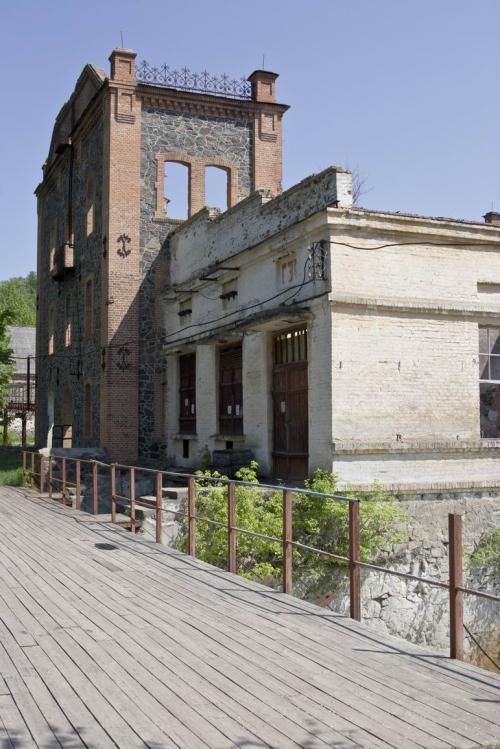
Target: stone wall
(210,139)
(419,612)
(78,364)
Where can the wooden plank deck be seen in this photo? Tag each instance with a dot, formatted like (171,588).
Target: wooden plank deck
(142,646)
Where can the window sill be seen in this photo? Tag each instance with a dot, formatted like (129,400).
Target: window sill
(229,437)
(189,436)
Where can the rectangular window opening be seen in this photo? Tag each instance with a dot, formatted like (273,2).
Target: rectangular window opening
(187,394)
(231,390)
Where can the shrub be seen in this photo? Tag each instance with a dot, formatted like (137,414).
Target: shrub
(317,522)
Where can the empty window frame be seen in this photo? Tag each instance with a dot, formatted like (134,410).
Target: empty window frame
(217,186)
(87,411)
(176,178)
(88,327)
(185,310)
(489,381)
(68,323)
(51,330)
(287,270)
(231,391)
(290,346)
(90,206)
(229,293)
(187,394)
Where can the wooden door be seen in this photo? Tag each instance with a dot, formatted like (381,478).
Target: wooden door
(231,391)
(290,407)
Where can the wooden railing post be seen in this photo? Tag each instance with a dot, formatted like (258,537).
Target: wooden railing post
(113,492)
(287,542)
(32,477)
(50,476)
(63,478)
(24,469)
(95,490)
(191,518)
(42,474)
(231,522)
(456,579)
(132,500)
(159,526)
(354,569)
(78,498)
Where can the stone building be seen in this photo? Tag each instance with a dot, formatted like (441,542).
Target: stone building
(291,325)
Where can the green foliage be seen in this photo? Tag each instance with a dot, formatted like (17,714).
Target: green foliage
(317,521)
(487,553)
(10,468)
(18,297)
(6,363)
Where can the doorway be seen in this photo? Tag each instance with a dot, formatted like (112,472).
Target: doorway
(67,414)
(290,405)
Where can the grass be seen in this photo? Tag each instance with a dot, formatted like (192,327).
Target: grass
(10,467)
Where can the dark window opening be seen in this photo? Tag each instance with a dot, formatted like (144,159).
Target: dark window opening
(489,386)
(231,391)
(229,445)
(187,394)
(290,346)
(185,448)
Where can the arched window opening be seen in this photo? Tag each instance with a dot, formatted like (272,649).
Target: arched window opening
(217,187)
(90,206)
(176,190)
(87,412)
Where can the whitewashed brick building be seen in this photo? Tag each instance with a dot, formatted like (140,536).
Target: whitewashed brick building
(314,333)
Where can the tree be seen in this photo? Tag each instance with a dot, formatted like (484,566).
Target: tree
(6,362)
(18,297)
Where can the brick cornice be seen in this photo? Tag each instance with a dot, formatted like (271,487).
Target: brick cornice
(196,103)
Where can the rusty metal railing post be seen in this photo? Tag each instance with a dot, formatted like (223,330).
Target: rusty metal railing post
(191,518)
(354,569)
(42,474)
(231,522)
(158,492)
(132,500)
(113,492)
(63,477)
(32,472)
(23,481)
(95,490)
(456,579)
(50,476)
(78,497)
(287,542)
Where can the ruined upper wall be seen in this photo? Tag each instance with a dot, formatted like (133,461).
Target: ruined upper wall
(209,238)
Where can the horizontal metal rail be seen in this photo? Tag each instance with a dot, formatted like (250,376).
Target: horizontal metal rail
(201,484)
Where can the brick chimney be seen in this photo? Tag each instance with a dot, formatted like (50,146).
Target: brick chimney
(123,65)
(492,217)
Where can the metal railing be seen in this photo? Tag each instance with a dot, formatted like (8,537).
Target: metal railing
(455,586)
(185,80)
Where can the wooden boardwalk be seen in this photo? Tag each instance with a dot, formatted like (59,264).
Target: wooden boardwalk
(141,646)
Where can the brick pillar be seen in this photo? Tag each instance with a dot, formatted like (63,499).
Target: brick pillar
(121,258)
(267,151)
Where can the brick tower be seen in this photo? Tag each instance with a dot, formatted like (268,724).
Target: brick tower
(103,233)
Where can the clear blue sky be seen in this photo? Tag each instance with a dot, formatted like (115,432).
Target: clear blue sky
(407,92)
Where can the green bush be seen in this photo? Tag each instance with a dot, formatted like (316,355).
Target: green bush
(487,553)
(317,522)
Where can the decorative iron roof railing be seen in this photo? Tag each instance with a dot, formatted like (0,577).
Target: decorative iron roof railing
(185,80)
